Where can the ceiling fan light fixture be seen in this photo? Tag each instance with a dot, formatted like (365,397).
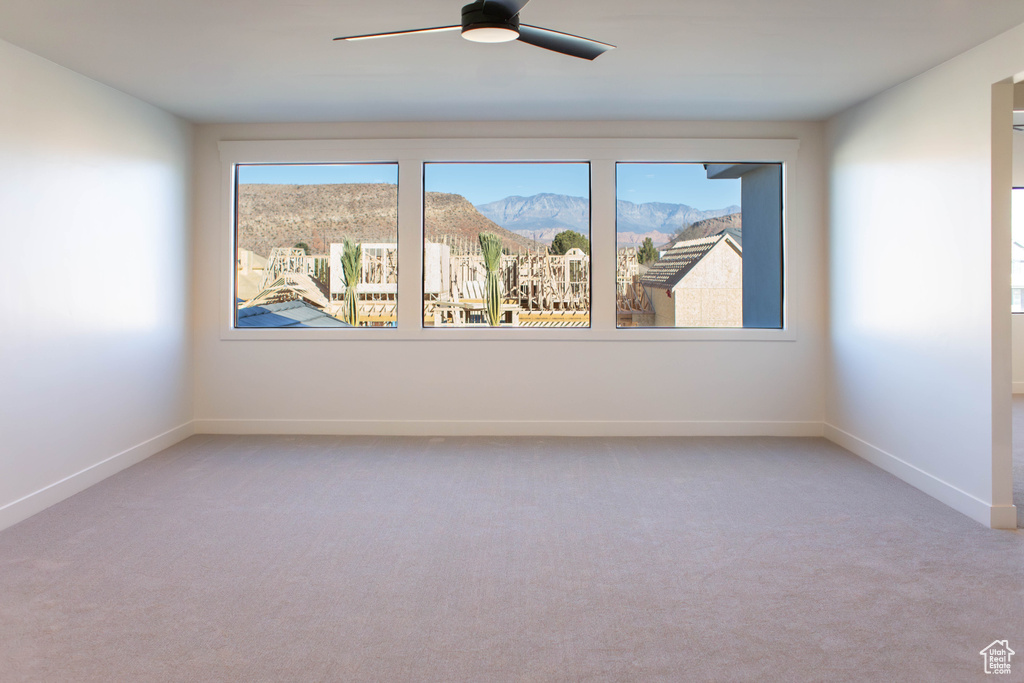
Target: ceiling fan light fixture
(497,21)
(484,22)
(490,34)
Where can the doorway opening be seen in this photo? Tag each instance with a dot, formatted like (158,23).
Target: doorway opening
(1017,301)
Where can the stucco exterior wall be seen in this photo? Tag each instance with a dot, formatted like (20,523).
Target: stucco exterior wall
(711,295)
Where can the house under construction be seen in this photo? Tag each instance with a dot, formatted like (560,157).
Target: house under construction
(632,306)
(539,289)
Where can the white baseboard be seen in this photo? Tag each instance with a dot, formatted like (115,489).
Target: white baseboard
(992,516)
(25,507)
(506,428)
(1018,387)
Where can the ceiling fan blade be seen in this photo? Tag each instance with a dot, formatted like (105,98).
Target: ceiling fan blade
(371,36)
(513,7)
(566,43)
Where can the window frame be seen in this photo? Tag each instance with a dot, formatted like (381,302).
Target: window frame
(1013,189)
(423,253)
(234,224)
(411,154)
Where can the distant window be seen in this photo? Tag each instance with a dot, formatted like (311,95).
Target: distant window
(506,245)
(302,232)
(699,245)
(1017,251)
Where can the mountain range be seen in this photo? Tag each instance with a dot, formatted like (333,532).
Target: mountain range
(543,216)
(283,215)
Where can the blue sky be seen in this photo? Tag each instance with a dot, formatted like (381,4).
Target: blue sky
(317,174)
(481,183)
(484,183)
(674,184)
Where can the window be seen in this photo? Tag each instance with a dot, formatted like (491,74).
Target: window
(302,232)
(1017,253)
(567,264)
(506,245)
(699,245)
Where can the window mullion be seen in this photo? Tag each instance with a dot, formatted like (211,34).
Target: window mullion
(410,246)
(602,244)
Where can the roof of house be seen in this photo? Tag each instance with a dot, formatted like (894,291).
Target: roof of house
(291,286)
(286,314)
(734,233)
(670,269)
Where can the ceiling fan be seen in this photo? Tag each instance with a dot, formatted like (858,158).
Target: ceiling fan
(497,21)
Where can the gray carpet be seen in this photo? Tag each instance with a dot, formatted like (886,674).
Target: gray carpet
(415,559)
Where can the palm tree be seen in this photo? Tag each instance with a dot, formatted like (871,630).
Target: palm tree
(490,245)
(352,267)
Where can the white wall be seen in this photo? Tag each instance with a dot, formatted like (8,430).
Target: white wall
(565,387)
(95,352)
(920,376)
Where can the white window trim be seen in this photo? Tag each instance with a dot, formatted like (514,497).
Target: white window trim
(411,154)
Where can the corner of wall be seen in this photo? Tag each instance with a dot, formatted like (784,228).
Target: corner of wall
(37,501)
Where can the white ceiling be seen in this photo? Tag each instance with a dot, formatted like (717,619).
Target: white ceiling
(274,60)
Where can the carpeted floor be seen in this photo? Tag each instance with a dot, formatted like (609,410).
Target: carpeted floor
(532,559)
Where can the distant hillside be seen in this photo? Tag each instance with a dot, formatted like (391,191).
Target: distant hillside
(541,212)
(713,226)
(547,214)
(661,217)
(704,228)
(543,235)
(636,239)
(452,214)
(283,215)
